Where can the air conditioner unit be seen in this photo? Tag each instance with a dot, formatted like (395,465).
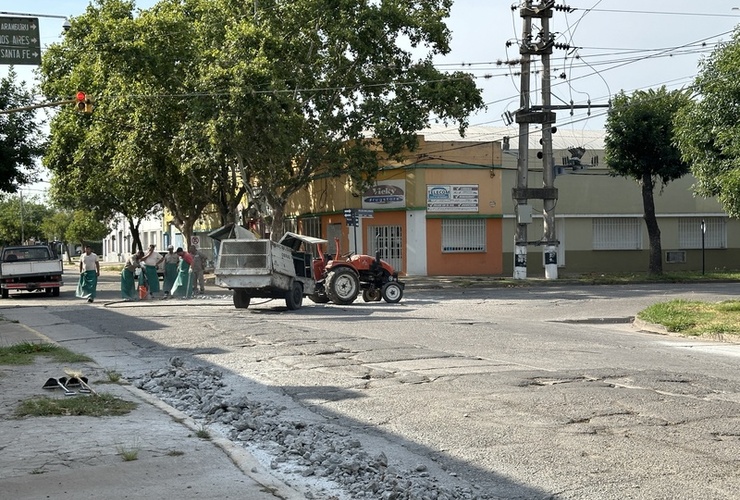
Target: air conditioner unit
(675,257)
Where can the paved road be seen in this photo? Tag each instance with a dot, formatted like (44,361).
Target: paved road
(527,393)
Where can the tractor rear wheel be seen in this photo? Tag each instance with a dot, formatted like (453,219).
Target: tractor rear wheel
(342,286)
(392,292)
(241,299)
(294,296)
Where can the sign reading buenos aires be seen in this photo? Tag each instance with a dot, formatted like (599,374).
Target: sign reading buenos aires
(19,41)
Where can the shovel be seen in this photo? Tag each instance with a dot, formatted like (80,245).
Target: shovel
(55,383)
(76,379)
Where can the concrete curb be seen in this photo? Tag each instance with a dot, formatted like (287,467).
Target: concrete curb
(238,455)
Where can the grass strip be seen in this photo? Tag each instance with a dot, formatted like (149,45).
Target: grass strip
(102,405)
(25,353)
(694,317)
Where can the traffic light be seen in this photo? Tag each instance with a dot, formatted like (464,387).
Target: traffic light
(83,104)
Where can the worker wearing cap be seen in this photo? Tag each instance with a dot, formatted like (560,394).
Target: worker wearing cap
(171,259)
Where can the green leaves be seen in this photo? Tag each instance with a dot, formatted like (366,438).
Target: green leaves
(282,90)
(708,131)
(21,142)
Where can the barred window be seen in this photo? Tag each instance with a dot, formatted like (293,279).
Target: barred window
(617,233)
(311,226)
(690,232)
(463,235)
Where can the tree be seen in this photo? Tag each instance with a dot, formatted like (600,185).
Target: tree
(144,148)
(708,130)
(640,144)
(282,90)
(21,141)
(85,228)
(305,88)
(21,220)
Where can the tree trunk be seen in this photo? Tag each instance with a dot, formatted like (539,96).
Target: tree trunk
(648,202)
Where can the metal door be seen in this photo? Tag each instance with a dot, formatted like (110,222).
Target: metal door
(390,242)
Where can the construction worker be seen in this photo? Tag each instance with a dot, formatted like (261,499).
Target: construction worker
(183,286)
(89,273)
(197,269)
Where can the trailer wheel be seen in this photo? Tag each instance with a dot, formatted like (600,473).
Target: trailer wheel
(342,286)
(371,295)
(241,299)
(392,292)
(5,293)
(294,296)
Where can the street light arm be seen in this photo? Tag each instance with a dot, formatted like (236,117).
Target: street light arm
(33,15)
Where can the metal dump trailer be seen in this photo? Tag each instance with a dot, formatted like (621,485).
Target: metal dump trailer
(255,268)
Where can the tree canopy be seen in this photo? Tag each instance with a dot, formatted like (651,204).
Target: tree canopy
(640,144)
(21,140)
(257,97)
(708,130)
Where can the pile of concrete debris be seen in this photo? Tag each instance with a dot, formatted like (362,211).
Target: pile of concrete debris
(323,457)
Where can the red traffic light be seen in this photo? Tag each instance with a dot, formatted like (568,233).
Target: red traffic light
(81,97)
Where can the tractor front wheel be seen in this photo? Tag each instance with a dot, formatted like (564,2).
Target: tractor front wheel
(342,286)
(241,299)
(392,292)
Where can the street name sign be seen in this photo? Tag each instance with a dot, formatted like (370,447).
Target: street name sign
(19,41)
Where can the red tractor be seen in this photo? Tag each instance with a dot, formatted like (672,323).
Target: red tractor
(339,279)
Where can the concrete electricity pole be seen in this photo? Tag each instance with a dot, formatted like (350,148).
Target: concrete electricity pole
(544,116)
(521,208)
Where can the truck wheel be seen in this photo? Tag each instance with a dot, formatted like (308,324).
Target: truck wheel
(294,296)
(5,293)
(342,286)
(371,295)
(241,299)
(392,292)
(55,292)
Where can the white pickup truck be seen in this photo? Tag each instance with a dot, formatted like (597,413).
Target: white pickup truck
(30,268)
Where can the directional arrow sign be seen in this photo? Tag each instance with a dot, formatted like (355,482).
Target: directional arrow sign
(19,41)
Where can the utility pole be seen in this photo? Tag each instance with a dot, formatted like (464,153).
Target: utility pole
(521,209)
(548,163)
(539,46)
(543,115)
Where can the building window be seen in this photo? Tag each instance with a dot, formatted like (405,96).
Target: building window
(311,226)
(463,235)
(617,233)
(689,232)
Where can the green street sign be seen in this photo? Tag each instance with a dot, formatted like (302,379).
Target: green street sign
(19,41)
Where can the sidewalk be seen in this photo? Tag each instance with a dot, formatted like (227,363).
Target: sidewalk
(76,457)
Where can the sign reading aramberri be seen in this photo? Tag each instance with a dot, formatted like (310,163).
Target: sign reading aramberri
(19,41)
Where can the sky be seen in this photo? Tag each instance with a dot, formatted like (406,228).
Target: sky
(616,45)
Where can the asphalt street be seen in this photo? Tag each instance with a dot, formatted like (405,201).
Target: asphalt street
(537,392)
